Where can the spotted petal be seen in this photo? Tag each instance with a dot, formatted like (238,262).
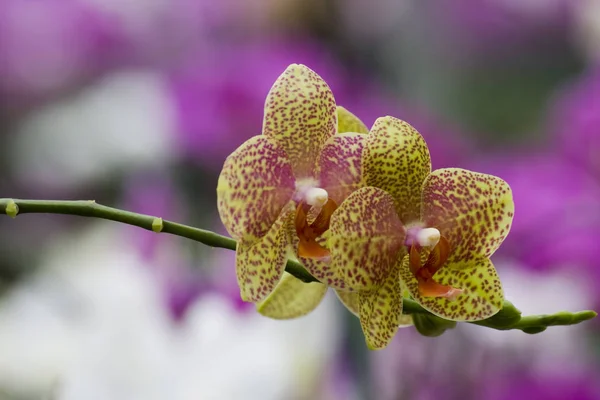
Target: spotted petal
(366,238)
(260,264)
(348,122)
(405,321)
(380,312)
(351,301)
(292,298)
(300,114)
(339,166)
(255,184)
(473,211)
(481,296)
(396,159)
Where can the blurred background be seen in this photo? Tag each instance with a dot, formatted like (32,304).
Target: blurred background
(137,103)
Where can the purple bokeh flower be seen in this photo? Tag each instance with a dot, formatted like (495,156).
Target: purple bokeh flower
(557,190)
(574,119)
(523,384)
(557,212)
(46,44)
(456,366)
(48,47)
(220,100)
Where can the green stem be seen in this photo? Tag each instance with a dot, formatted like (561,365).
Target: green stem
(89,208)
(508,318)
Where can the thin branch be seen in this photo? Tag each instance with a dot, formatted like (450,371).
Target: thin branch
(89,208)
(508,318)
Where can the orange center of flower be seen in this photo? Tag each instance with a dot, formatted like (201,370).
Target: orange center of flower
(309,232)
(436,259)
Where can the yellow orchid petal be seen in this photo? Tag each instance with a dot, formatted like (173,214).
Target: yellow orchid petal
(348,122)
(260,264)
(300,114)
(292,298)
(349,300)
(396,159)
(472,211)
(366,238)
(481,295)
(380,312)
(339,166)
(255,184)
(405,321)
(323,271)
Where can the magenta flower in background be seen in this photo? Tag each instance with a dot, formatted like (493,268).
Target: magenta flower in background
(220,100)
(574,119)
(557,189)
(45,45)
(522,384)
(454,366)
(447,145)
(51,46)
(557,214)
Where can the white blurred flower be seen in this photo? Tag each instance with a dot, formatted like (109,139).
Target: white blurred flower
(159,28)
(587,27)
(123,121)
(91,325)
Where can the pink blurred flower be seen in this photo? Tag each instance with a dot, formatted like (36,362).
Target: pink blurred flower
(220,100)
(574,119)
(557,212)
(51,46)
(522,384)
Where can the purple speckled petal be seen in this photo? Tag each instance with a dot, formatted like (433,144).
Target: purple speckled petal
(340,170)
(366,238)
(255,184)
(473,212)
(380,311)
(396,159)
(481,295)
(260,264)
(300,115)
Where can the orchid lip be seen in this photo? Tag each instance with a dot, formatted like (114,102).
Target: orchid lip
(316,197)
(303,187)
(411,234)
(428,237)
(308,233)
(436,259)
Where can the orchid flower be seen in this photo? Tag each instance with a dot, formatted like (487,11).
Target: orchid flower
(277,191)
(428,233)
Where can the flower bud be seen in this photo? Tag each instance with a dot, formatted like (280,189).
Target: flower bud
(431,325)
